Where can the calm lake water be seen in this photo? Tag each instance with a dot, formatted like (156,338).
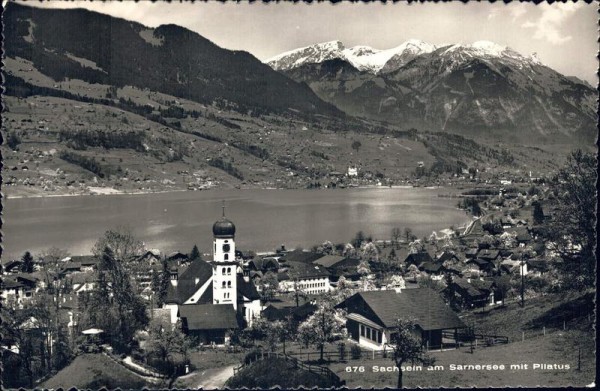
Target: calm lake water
(265,219)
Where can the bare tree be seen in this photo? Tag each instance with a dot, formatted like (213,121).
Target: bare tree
(123,244)
(408,347)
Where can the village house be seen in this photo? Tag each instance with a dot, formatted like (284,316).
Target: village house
(213,298)
(19,289)
(263,265)
(372,316)
(311,279)
(12,266)
(418,258)
(340,266)
(469,293)
(295,314)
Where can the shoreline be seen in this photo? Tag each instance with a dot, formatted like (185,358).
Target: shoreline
(110,191)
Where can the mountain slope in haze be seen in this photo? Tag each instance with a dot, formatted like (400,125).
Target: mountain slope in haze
(96,48)
(478,89)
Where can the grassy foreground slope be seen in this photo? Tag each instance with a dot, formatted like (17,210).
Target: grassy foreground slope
(95,371)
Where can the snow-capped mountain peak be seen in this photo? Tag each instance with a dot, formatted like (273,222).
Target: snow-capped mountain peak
(310,54)
(368,59)
(364,58)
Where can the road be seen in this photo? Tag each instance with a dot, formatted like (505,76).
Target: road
(215,378)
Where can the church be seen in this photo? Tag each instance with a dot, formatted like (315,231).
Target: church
(213,299)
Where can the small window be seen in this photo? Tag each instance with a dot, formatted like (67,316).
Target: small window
(223,284)
(226,257)
(368,332)
(362,330)
(229,284)
(228,270)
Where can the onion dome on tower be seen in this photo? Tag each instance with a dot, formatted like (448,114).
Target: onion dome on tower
(223,229)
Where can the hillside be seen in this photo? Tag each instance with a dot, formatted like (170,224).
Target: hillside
(86,115)
(96,48)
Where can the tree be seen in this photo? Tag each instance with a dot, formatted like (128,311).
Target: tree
(356,145)
(575,237)
(358,240)
(369,251)
(408,235)
(165,344)
(503,285)
(268,286)
(408,347)
(416,246)
(396,236)
(13,140)
(364,270)
(27,266)
(122,243)
(322,327)
(114,306)
(195,254)
(538,213)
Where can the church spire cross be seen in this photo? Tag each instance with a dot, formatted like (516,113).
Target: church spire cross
(223,208)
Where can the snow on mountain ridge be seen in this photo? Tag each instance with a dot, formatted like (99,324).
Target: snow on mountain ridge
(366,58)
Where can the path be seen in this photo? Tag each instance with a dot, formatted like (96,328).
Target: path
(215,378)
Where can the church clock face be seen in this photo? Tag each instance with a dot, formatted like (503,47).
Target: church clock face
(226,248)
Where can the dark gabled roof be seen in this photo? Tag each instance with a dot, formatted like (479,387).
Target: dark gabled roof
(247,289)
(538,264)
(488,254)
(263,263)
(176,255)
(479,262)
(283,276)
(430,267)
(524,237)
(446,256)
(418,258)
(11,263)
(423,305)
(86,260)
(11,283)
(485,286)
(329,260)
(301,256)
(81,278)
(300,313)
(71,266)
(186,282)
(208,316)
(299,270)
(467,288)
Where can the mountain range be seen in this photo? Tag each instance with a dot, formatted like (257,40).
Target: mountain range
(92,100)
(477,89)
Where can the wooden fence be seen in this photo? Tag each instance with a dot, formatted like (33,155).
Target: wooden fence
(317,369)
(477,339)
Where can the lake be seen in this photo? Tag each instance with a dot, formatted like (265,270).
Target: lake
(265,219)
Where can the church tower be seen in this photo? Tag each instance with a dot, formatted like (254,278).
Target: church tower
(224,265)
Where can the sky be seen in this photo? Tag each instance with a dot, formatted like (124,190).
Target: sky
(564,36)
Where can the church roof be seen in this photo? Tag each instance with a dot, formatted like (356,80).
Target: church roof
(189,281)
(223,228)
(246,289)
(208,317)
